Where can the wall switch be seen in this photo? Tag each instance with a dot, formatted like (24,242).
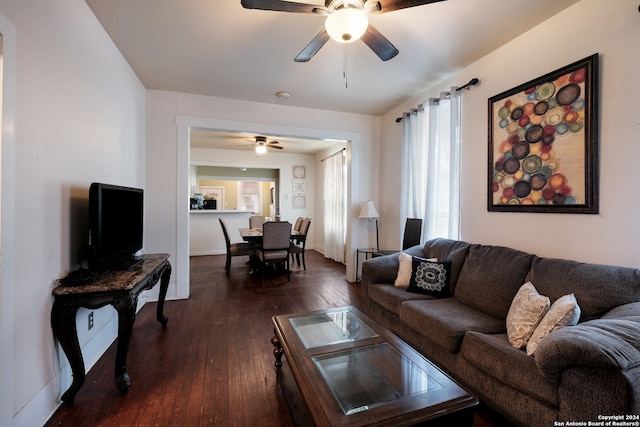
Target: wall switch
(90,321)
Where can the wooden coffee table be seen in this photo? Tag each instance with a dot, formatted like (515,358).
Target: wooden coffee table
(350,371)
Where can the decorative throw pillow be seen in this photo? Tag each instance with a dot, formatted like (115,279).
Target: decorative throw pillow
(430,277)
(405,268)
(527,309)
(564,312)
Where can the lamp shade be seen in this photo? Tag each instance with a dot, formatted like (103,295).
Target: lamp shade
(346,25)
(368,210)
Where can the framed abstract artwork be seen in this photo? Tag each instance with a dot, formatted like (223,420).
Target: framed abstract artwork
(543,148)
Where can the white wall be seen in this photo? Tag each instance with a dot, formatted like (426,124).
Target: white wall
(613,237)
(79,117)
(169,117)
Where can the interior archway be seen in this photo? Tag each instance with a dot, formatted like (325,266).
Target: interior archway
(184,124)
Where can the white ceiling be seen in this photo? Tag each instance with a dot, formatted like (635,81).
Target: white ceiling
(207,138)
(218,48)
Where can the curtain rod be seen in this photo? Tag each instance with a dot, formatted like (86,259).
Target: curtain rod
(473,82)
(331,155)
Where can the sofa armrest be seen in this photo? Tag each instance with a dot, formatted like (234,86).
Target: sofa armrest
(601,343)
(384,269)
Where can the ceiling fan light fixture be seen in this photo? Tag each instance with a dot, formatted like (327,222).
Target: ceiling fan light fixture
(261,149)
(346,25)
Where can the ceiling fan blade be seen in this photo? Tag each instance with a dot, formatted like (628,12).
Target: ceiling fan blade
(273,142)
(313,47)
(391,5)
(379,44)
(279,5)
(274,146)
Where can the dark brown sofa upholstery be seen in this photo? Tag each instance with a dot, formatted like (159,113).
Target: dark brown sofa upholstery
(577,373)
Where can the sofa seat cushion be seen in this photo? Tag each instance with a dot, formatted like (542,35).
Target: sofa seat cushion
(446,320)
(493,354)
(391,297)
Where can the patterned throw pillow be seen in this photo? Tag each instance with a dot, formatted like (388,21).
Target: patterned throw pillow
(527,309)
(405,268)
(430,277)
(564,312)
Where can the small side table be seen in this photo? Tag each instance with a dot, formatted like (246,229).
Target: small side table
(368,253)
(119,289)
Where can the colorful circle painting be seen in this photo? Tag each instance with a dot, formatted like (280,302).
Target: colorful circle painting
(538,145)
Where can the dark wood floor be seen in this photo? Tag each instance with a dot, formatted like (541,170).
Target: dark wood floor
(213,364)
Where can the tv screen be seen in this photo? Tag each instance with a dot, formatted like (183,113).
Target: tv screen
(115,226)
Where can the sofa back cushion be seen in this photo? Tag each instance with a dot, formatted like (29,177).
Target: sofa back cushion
(491,277)
(597,288)
(448,250)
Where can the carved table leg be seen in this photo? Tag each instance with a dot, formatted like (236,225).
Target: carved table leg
(277,351)
(164,284)
(126,307)
(63,323)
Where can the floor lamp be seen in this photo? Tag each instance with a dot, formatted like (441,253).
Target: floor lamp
(368,210)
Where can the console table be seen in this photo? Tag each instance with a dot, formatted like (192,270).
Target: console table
(119,289)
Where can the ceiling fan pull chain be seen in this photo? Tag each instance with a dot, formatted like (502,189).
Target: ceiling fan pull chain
(345,73)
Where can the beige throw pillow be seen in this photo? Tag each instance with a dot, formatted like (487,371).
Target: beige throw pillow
(405,269)
(527,309)
(564,312)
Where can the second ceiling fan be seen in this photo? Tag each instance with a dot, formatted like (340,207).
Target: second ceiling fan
(262,144)
(346,22)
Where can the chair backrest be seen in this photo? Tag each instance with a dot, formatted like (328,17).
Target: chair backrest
(304,228)
(298,223)
(256,221)
(276,235)
(412,233)
(224,231)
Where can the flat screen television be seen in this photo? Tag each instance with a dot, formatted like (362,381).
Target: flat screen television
(115,226)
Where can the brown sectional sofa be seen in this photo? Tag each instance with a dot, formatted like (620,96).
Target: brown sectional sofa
(577,373)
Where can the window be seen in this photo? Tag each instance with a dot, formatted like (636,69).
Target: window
(431,166)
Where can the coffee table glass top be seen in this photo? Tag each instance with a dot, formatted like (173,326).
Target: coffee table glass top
(363,378)
(330,328)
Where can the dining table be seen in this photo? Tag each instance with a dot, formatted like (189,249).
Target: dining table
(254,235)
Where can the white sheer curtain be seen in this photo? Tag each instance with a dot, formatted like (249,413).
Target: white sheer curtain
(431,166)
(335,206)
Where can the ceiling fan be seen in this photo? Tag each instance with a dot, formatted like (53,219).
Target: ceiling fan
(262,144)
(346,22)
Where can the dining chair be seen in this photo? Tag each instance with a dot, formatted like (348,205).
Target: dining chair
(256,221)
(412,236)
(297,224)
(299,242)
(276,239)
(235,249)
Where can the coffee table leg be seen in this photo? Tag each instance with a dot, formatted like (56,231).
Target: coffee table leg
(277,351)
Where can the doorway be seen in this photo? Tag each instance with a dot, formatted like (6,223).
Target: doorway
(186,124)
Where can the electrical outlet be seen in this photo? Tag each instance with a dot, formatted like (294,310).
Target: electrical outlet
(90,321)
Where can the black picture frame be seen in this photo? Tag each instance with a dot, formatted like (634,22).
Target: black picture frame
(543,143)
